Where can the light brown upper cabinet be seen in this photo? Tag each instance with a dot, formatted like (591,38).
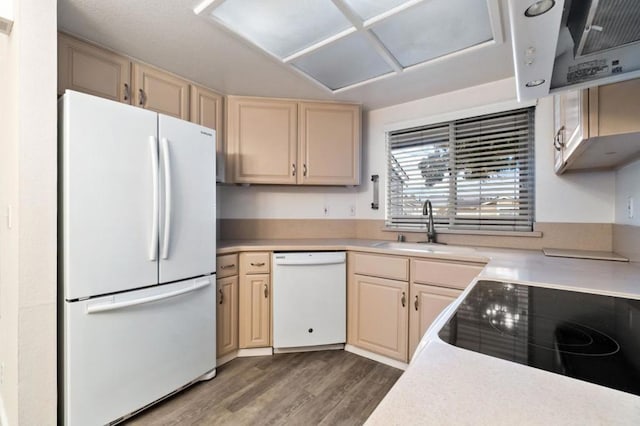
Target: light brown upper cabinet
(90,69)
(330,144)
(597,128)
(571,119)
(160,91)
(206,110)
(262,140)
(279,141)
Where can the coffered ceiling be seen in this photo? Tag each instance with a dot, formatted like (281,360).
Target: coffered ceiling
(380,52)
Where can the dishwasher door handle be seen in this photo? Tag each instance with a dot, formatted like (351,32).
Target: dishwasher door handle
(305,262)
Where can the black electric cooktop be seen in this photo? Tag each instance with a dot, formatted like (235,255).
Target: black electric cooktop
(585,336)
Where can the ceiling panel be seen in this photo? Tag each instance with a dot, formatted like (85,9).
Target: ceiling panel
(282,27)
(344,62)
(434,28)
(368,9)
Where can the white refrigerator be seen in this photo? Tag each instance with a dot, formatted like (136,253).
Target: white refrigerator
(137,269)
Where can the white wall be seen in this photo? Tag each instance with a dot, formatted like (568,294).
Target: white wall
(285,202)
(584,197)
(8,238)
(28,181)
(628,185)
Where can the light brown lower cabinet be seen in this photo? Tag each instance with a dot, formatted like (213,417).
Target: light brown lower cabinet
(378,317)
(427,302)
(227,315)
(255,311)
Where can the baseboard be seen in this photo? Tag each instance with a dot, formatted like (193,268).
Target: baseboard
(241,353)
(4,421)
(255,352)
(226,358)
(375,357)
(334,347)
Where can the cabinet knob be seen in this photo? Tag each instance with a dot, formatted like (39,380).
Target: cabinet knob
(221,296)
(142,97)
(257,263)
(231,265)
(415,303)
(403,300)
(266,291)
(293,172)
(127,93)
(304,170)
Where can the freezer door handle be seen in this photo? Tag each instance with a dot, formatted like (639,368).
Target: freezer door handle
(112,306)
(166,162)
(153,249)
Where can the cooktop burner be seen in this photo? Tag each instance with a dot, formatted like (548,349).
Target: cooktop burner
(585,336)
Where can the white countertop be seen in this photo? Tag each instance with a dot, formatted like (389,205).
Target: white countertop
(446,385)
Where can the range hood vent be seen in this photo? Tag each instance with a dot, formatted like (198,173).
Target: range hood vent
(574,44)
(597,26)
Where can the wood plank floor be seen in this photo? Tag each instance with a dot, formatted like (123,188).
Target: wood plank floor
(309,388)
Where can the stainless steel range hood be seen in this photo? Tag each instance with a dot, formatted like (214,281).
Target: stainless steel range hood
(595,42)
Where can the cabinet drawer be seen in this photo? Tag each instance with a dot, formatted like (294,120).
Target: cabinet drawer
(227,265)
(444,274)
(395,268)
(254,263)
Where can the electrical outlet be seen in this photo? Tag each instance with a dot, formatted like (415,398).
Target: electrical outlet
(352,210)
(326,211)
(630,212)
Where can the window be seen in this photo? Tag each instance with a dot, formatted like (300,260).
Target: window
(477,172)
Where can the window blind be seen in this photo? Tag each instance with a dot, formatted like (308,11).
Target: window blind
(477,172)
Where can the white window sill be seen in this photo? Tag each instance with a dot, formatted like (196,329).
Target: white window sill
(530,234)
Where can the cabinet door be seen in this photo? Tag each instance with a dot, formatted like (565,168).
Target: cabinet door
(227,315)
(378,317)
(575,111)
(160,91)
(558,128)
(206,110)
(262,140)
(89,69)
(255,310)
(427,302)
(330,144)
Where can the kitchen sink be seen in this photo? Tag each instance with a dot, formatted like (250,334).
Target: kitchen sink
(424,247)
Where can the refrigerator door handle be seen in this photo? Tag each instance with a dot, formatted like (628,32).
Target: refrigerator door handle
(110,306)
(153,249)
(166,161)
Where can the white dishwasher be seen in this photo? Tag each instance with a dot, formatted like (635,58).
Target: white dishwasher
(309,299)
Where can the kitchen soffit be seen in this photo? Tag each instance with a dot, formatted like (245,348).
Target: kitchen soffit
(343,44)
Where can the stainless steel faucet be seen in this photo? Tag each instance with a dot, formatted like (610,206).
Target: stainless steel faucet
(427,209)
